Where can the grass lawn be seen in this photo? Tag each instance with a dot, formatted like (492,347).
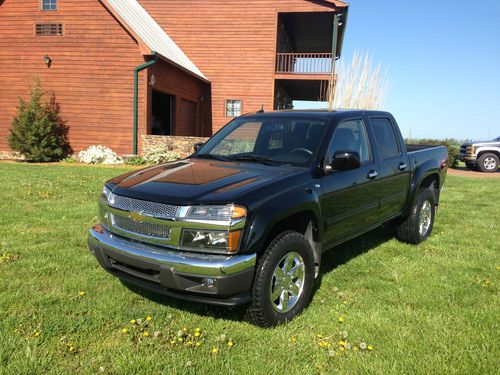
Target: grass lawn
(430,309)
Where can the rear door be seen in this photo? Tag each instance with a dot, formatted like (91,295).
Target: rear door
(393,169)
(349,200)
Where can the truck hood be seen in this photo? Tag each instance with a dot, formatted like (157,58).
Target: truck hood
(482,143)
(198,181)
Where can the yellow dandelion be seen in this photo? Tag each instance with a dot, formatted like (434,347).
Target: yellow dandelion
(172,342)
(38,333)
(180,339)
(341,319)
(198,344)
(293,339)
(149,318)
(124,330)
(197,330)
(215,350)
(72,349)
(82,293)
(185,329)
(230,344)
(146,334)
(370,347)
(133,321)
(196,334)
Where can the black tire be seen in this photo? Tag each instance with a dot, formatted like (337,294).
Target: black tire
(472,167)
(410,230)
(263,311)
(488,163)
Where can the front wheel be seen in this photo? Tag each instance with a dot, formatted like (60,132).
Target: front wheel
(488,163)
(418,226)
(283,281)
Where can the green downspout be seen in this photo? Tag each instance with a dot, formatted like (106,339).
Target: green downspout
(136,99)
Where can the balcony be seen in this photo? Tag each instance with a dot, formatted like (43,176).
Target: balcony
(303,63)
(304,56)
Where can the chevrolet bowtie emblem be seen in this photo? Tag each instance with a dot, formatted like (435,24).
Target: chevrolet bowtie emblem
(136,216)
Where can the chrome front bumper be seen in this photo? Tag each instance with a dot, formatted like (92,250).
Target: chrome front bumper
(180,274)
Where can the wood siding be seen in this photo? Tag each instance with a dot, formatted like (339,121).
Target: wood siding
(233,42)
(91,72)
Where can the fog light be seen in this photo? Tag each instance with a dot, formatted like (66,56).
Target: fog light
(209,282)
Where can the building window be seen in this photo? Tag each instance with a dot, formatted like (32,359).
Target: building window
(233,108)
(48,29)
(49,4)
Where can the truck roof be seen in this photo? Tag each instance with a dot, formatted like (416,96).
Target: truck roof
(315,113)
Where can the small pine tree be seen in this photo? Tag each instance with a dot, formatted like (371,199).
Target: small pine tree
(38,132)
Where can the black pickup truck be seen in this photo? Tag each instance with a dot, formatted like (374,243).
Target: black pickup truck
(246,218)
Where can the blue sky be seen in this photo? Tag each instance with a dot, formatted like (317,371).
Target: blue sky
(443,62)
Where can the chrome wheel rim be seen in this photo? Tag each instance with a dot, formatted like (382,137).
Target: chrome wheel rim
(287,283)
(425,218)
(490,163)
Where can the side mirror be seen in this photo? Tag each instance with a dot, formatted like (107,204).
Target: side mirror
(198,145)
(344,160)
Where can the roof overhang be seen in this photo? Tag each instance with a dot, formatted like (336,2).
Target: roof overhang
(150,37)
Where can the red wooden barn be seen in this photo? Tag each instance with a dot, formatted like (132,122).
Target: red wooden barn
(198,63)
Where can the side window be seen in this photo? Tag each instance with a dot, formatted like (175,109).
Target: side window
(387,143)
(350,135)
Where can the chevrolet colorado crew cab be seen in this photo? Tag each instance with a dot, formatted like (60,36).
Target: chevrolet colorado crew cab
(247,217)
(482,156)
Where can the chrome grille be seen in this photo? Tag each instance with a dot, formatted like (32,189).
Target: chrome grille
(137,205)
(142,228)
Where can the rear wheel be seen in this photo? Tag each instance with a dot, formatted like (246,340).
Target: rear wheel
(283,281)
(488,163)
(418,226)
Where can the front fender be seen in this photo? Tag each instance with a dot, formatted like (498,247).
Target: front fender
(272,211)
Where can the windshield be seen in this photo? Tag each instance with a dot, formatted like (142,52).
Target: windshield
(269,141)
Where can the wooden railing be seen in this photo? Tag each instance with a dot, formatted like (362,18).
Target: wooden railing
(304,63)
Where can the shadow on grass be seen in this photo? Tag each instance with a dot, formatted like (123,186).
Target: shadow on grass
(330,260)
(343,253)
(236,313)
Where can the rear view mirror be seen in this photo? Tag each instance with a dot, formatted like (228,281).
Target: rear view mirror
(198,145)
(344,160)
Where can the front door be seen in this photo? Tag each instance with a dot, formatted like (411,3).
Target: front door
(162,121)
(349,200)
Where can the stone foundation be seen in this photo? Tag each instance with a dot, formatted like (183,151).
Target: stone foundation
(184,146)
(10,155)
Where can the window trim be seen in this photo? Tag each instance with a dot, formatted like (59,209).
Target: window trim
(225,107)
(394,132)
(48,23)
(49,10)
(367,136)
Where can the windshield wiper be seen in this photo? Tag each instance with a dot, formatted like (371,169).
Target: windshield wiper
(211,156)
(255,158)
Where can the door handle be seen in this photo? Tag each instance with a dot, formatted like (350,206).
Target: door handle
(372,174)
(402,166)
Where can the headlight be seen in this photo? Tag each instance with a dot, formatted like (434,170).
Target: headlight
(222,213)
(106,193)
(470,150)
(216,240)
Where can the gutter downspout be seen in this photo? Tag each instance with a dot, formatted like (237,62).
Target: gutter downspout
(136,94)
